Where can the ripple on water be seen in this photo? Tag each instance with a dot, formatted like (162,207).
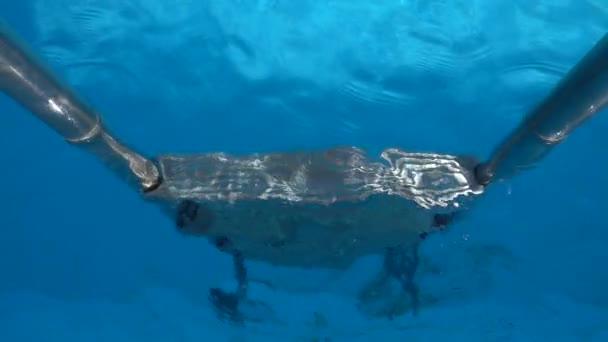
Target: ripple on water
(419,49)
(523,76)
(104,71)
(374,93)
(93,21)
(429,65)
(551,11)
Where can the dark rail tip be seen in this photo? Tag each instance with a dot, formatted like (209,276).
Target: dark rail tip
(481,174)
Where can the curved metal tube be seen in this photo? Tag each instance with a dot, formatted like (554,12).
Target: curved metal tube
(581,93)
(29,83)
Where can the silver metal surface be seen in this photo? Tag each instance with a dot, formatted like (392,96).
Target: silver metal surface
(28,82)
(314,208)
(579,95)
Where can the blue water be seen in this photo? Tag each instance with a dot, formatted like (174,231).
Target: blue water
(84,259)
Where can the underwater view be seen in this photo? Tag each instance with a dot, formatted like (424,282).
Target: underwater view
(312,170)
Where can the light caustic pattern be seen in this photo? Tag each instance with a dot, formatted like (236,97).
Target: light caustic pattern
(431,181)
(395,57)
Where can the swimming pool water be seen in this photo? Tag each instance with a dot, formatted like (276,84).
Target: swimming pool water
(83,258)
